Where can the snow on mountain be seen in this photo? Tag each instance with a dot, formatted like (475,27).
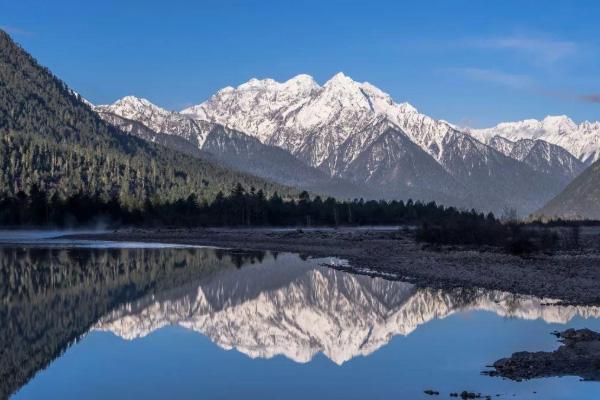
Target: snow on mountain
(299,310)
(157,119)
(335,127)
(246,153)
(227,146)
(140,130)
(356,132)
(542,156)
(581,140)
(248,103)
(503,145)
(389,159)
(310,122)
(315,121)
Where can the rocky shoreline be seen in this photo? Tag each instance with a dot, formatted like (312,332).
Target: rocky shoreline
(579,355)
(570,276)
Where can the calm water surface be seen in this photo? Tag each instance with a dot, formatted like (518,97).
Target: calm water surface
(82,320)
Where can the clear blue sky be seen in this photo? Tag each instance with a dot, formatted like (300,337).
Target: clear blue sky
(469,62)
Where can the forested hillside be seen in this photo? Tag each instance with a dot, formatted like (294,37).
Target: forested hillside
(50,138)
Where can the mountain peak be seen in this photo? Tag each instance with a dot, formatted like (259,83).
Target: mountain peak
(133,101)
(583,141)
(340,75)
(255,83)
(561,117)
(409,108)
(341,127)
(559,120)
(226,89)
(339,79)
(302,80)
(300,83)
(133,107)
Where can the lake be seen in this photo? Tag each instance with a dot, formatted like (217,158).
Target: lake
(97,320)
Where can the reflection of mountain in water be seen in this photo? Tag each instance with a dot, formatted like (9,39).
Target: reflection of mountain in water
(261,304)
(299,309)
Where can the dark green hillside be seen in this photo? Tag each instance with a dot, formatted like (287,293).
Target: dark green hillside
(50,137)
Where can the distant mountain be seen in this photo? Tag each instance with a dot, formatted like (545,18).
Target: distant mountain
(541,156)
(581,140)
(579,200)
(228,147)
(337,128)
(140,130)
(51,138)
(388,159)
(158,119)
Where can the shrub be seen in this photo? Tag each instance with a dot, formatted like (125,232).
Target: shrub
(514,238)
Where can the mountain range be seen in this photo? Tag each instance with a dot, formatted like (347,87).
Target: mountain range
(356,134)
(227,147)
(581,140)
(344,138)
(581,198)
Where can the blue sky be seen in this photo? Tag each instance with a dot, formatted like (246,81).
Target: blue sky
(475,63)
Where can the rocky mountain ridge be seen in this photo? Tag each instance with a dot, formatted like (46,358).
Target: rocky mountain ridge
(231,148)
(582,140)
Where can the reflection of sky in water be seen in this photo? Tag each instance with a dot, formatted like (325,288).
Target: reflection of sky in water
(447,355)
(415,339)
(49,239)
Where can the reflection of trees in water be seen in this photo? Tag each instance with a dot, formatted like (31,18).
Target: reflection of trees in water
(50,297)
(239,258)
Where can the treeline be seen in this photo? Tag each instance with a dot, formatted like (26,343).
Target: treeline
(436,224)
(240,207)
(512,236)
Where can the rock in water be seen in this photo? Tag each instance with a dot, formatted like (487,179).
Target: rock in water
(579,355)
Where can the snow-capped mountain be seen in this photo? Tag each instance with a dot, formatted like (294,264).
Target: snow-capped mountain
(300,309)
(540,155)
(137,128)
(299,115)
(301,134)
(337,127)
(312,121)
(158,119)
(389,159)
(581,140)
(229,147)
